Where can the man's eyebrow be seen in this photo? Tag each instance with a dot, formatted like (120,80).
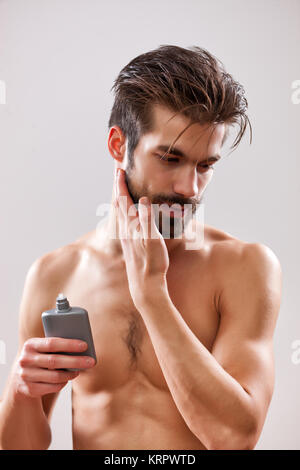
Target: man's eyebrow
(176,151)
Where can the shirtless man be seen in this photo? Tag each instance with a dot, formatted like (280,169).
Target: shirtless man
(184,337)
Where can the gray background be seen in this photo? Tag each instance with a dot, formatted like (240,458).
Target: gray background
(58,60)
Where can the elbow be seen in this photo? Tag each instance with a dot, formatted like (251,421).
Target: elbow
(44,440)
(233,443)
(45,443)
(233,439)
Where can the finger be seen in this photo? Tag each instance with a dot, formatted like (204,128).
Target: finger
(60,361)
(38,389)
(144,208)
(54,344)
(147,220)
(33,374)
(128,221)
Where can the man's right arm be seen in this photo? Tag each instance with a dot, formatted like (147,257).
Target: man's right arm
(35,379)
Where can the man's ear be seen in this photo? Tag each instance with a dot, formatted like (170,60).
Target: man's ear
(117,143)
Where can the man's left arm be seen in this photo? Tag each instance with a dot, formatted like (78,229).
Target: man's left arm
(222,395)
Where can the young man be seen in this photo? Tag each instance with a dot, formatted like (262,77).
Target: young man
(183,336)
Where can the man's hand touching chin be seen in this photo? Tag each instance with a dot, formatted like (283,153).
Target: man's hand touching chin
(145,252)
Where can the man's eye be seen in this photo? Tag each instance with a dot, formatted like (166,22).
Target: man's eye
(207,167)
(173,160)
(161,157)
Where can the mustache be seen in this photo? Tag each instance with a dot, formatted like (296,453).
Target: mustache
(161,198)
(180,202)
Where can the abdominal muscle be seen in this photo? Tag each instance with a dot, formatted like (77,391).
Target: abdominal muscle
(136,415)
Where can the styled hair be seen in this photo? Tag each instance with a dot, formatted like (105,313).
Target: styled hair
(189,81)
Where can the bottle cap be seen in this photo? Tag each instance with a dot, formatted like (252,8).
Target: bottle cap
(62,303)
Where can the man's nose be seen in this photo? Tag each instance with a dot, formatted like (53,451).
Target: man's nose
(186,183)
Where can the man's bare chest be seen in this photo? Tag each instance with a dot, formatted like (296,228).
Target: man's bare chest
(123,346)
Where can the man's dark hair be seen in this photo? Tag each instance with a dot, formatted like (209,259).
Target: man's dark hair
(188,81)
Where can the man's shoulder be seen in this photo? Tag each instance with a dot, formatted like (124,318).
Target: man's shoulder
(224,241)
(235,255)
(58,263)
(248,277)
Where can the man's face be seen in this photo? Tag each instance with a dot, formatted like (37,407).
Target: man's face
(178,179)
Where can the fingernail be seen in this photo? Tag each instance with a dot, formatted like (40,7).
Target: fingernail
(90,361)
(144,201)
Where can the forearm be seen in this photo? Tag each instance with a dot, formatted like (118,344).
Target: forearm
(213,404)
(23,424)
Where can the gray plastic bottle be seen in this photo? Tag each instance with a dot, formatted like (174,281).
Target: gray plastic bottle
(69,322)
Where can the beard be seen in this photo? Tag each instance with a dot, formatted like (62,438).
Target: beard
(169,227)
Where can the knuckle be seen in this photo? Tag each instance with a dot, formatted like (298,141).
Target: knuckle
(49,342)
(52,361)
(24,389)
(28,344)
(23,359)
(22,373)
(20,388)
